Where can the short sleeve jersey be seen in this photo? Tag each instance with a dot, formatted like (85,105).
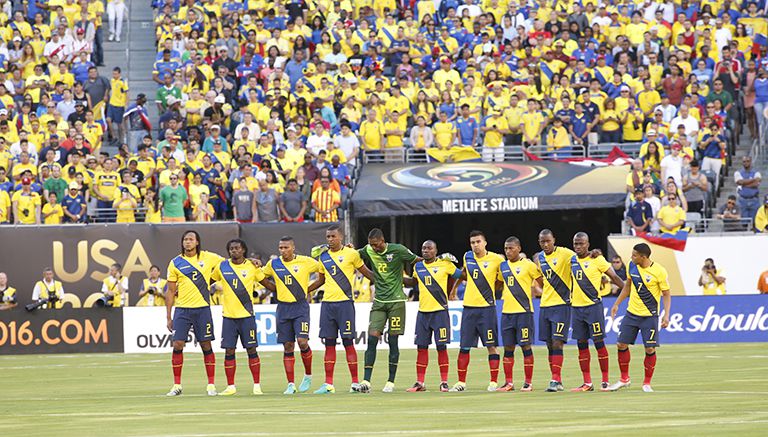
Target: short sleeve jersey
(481,278)
(432,280)
(587,279)
(518,279)
(339,270)
(192,276)
(652,281)
(556,270)
(238,282)
(292,277)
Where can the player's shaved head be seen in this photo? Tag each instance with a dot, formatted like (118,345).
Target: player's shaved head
(581,235)
(428,250)
(335,228)
(546,232)
(286,239)
(376,234)
(512,240)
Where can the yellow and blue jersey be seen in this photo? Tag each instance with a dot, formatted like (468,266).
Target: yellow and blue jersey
(647,285)
(238,282)
(518,279)
(556,270)
(292,277)
(587,279)
(339,270)
(192,276)
(432,280)
(481,278)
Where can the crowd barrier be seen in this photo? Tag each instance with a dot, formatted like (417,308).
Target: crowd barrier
(702,319)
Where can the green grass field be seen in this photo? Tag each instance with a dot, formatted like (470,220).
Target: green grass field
(700,390)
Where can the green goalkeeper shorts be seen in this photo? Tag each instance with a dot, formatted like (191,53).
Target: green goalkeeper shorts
(383,313)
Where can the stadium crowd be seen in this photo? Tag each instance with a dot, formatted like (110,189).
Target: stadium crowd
(266,107)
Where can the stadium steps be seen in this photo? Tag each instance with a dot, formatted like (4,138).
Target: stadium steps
(744,148)
(134,54)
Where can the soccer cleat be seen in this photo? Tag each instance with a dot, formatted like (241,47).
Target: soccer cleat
(365,387)
(416,387)
(619,385)
(508,386)
(257,389)
(211,390)
(492,386)
(552,387)
(306,384)
(583,387)
(175,390)
(604,386)
(527,387)
(389,387)
(560,386)
(647,388)
(229,391)
(291,389)
(444,387)
(111,37)
(325,389)
(459,386)
(355,387)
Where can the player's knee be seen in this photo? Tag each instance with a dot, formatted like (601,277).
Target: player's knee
(347,342)
(205,346)
(464,350)
(621,346)
(178,345)
(557,344)
(492,350)
(289,346)
(422,348)
(650,350)
(374,333)
(582,344)
(252,352)
(303,344)
(228,352)
(599,344)
(330,342)
(440,347)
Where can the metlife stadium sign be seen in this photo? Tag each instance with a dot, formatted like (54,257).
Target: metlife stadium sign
(705,319)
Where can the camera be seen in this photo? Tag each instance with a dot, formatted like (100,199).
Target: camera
(103,301)
(152,290)
(50,302)
(25,212)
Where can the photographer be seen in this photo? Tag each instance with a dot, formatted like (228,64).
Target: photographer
(114,287)
(7,294)
(712,280)
(152,292)
(48,293)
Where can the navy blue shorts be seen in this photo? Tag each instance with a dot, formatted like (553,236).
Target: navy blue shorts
(292,321)
(437,323)
(648,327)
(115,113)
(588,322)
(554,322)
(198,318)
(517,328)
(478,322)
(337,317)
(245,328)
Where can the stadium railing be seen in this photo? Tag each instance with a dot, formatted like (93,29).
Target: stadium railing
(109,215)
(701,225)
(545,152)
(602,150)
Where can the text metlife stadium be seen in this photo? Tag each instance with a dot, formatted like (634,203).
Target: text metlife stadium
(494,204)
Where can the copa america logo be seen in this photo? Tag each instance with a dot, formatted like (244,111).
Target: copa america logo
(462,177)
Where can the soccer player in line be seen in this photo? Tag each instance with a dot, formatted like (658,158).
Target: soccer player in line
(646,283)
(236,278)
(388,262)
(478,319)
(189,276)
(518,277)
(434,278)
(291,274)
(554,263)
(588,319)
(337,312)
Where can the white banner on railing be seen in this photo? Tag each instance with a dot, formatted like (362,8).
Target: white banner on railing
(145,328)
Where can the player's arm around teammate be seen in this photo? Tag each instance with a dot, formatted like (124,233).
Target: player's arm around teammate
(646,283)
